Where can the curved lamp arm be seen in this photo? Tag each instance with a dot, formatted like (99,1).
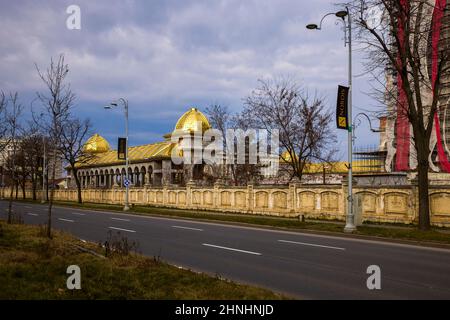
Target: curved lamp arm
(368,119)
(340,14)
(323,18)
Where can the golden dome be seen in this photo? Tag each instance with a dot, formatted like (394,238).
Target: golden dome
(192,120)
(96,144)
(287,157)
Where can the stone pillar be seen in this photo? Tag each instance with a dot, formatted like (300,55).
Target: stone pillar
(147,179)
(189,185)
(292,198)
(415,201)
(137,181)
(165,195)
(216,192)
(250,198)
(114,181)
(143,178)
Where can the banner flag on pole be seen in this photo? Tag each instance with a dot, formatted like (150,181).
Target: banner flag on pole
(342,108)
(121,148)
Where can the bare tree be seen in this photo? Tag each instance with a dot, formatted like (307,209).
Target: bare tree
(3,122)
(13,128)
(219,117)
(401,39)
(71,147)
(56,102)
(304,124)
(32,146)
(241,173)
(22,169)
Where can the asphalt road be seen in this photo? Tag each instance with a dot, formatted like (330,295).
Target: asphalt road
(302,265)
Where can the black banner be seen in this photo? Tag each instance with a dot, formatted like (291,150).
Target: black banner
(121,148)
(342,108)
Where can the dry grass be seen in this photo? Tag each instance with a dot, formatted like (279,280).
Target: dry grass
(33,267)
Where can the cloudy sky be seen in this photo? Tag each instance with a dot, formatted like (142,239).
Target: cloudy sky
(166,56)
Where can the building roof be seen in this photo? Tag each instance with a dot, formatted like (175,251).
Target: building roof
(159,150)
(359,166)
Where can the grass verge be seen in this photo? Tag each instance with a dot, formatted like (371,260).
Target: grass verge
(408,233)
(34,267)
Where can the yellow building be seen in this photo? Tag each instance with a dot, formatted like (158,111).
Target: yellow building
(149,164)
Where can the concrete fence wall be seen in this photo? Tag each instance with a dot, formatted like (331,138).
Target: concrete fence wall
(389,204)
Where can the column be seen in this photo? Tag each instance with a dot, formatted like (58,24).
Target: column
(166,172)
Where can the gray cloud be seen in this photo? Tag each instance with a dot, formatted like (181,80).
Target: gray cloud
(167,55)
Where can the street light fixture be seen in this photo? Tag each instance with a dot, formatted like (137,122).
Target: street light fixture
(312,26)
(125,105)
(342,14)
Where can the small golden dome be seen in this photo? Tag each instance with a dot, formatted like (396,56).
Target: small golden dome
(96,144)
(287,157)
(192,120)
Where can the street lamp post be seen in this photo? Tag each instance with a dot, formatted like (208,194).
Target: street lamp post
(350,218)
(127,182)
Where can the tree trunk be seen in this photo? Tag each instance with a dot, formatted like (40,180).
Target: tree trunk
(424,201)
(50,203)
(423,166)
(78,183)
(22,186)
(33,185)
(11,194)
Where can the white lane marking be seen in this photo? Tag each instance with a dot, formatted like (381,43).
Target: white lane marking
(311,244)
(298,232)
(32,214)
(78,214)
(67,220)
(187,228)
(121,229)
(120,219)
(231,249)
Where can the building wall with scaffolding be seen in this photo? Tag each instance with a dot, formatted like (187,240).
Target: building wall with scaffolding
(398,143)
